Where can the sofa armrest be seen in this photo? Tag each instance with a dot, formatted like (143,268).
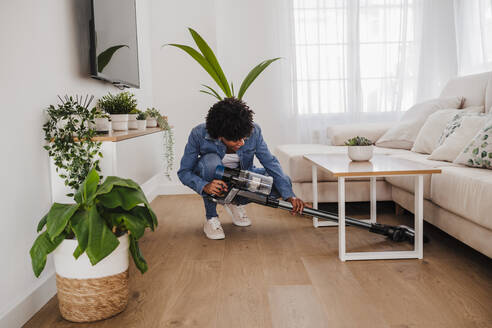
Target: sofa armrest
(338,134)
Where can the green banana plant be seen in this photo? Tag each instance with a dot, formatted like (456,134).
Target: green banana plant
(99,214)
(207,59)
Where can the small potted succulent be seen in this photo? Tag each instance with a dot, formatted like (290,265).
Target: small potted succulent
(359,148)
(118,106)
(132,119)
(141,121)
(152,116)
(91,240)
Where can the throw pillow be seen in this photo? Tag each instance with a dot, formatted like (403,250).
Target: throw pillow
(430,133)
(478,153)
(459,138)
(403,134)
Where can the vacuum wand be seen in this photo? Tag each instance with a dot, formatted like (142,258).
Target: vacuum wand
(256,188)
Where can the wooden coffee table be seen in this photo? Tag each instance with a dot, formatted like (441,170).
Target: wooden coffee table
(340,166)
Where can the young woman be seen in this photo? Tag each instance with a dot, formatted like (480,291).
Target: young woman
(229,138)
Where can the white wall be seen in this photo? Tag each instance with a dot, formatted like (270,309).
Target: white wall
(44,52)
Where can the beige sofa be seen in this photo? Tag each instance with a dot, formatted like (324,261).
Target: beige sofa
(458,201)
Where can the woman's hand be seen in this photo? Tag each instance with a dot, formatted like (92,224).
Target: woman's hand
(297,205)
(216,187)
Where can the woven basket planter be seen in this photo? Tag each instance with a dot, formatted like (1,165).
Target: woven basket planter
(89,293)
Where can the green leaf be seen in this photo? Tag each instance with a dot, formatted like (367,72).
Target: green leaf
(58,217)
(130,222)
(41,248)
(88,188)
(209,93)
(211,59)
(137,256)
(102,241)
(213,91)
(146,214)
(104,57)
(202,61)
(42,223)
(123,197)
(112,181)
(80,226)
(253,74)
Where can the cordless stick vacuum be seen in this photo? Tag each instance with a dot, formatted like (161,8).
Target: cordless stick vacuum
(257,187)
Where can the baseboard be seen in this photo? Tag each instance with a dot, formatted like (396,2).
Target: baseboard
(23,310)
(160,184)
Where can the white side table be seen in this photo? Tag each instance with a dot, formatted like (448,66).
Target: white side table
(340,166)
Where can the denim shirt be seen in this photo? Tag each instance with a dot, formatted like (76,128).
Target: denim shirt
(201,143)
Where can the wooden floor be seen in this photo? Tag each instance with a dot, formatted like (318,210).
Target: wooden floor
(281,272)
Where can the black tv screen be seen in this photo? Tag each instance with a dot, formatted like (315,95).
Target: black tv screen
(114,49)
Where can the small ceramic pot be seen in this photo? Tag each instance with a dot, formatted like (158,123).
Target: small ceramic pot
(120,122)
(132,121)
(151,122)
(360,153)
(102,124)
(141,124)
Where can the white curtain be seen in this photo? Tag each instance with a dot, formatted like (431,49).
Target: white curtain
(356,60)
(473,19)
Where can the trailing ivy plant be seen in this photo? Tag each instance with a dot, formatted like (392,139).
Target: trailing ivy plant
(101,213)
(168,138)
(121,103)
(68,133)
(207,59)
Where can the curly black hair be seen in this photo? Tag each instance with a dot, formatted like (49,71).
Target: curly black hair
(230,118)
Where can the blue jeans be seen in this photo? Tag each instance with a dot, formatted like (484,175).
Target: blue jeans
(205,168)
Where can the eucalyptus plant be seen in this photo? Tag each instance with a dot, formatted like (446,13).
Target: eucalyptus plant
(121,103)
(358,141)
(101,212)
(207,59)
(68,133)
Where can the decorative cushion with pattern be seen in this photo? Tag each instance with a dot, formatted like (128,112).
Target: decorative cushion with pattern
(478,153)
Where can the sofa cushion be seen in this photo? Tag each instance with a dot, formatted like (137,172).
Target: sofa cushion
(466,192)
(457,140)
(403,134)
(338,134)
(407,182)
(472,87)
(478,152)
(428,138)
(299,169)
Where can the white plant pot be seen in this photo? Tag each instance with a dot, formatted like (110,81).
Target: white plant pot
(360,153)
(141,124)
(151,122)
(120,122)
(132,121)
(89,293)
(68,267)
(120,126)
(102,124)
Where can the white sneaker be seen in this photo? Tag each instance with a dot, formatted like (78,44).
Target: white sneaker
(238,214)
(213,229)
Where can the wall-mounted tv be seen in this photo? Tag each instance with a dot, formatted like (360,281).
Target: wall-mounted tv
(114,49)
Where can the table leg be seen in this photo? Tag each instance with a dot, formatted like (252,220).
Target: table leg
(373,200)
(341,218)
(314,171)
(419,215)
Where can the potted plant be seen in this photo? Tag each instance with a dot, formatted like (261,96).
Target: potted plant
(141,121)
(118,106)
(359,148)
(69,139)
(152,116)
(102,123)
(90,240)
(207,59)
(132,119)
